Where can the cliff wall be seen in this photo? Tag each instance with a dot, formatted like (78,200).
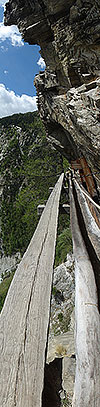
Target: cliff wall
(68,33)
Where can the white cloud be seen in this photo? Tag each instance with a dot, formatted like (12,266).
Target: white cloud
(4,49)
(11,33)
(41,63)
(11,103)
(2,3)
(6,72)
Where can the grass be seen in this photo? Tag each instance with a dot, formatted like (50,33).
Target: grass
(4,286)
(66,402)
(63,246)
(60,350)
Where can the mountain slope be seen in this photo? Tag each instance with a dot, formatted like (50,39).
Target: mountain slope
(29,166)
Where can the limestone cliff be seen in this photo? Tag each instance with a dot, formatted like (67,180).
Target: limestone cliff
(68,33)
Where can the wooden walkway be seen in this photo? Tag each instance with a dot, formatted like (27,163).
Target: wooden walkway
(86,248)
(25,316)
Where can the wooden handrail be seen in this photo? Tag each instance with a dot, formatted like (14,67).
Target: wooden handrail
(86,248)
(24,319)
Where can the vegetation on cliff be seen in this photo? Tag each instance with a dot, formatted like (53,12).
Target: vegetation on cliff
(29,167)
(4,286)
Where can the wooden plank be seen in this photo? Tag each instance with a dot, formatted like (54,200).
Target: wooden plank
(88,177)
(95,213)
(92,227)
(87,380)
(76,165)
(25,316)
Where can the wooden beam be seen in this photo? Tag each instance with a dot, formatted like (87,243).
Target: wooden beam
(24,319)
(87,381)
(91,217)
(85,176)
(88,177)
(76,165)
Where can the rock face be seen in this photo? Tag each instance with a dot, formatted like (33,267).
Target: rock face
(61,334)
(63,298)
(8,264)
(68,33)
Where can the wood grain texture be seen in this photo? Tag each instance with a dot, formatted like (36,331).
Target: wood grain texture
(92,227)
(90,232)
(25,316)
(87,381)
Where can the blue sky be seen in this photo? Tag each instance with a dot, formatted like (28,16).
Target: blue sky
(19,63)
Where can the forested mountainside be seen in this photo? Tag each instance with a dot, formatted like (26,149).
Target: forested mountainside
(29,166)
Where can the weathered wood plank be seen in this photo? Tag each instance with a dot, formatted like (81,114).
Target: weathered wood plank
(87,381)
(92,227)
(91,234)
(25,316)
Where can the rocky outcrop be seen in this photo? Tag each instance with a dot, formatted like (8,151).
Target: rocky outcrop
(61,334)
(69,89)
(63,298)
(8,264)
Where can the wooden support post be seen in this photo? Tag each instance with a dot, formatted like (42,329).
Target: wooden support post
(25,316)
(85,176)
(88,177)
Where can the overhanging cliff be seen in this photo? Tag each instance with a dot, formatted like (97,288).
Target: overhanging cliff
(68,33)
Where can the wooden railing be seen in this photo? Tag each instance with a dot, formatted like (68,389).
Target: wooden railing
(25,316)
(86,248)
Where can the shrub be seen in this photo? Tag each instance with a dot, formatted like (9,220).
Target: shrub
(63,246)
(4,286)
